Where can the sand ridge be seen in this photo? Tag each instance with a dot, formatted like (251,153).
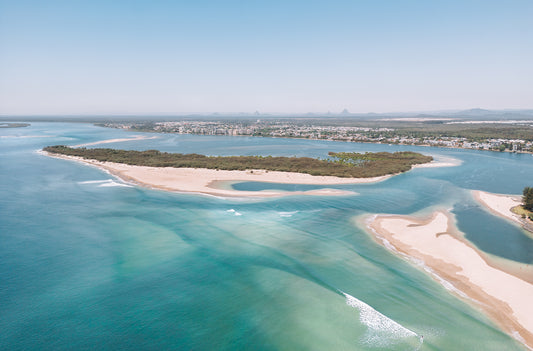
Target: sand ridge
(502,296)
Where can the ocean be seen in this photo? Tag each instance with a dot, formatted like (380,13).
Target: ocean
(90,262)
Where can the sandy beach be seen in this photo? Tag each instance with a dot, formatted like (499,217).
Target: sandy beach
(109,141)
(217,183)
(505,298)
(448,162)
(499,204)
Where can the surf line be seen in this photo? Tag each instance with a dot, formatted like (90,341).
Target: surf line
(381,329)
(375,320)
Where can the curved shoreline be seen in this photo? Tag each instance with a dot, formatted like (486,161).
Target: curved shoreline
(501,205)
(119,140)
(207,181)
(460,267)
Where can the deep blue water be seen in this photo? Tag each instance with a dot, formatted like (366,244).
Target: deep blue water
(87,262)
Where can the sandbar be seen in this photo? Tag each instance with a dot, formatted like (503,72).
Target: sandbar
(499,204)
(460,267)
(439,163)
(212,182)
(109,141)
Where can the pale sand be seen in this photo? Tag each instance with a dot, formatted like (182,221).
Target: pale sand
(498,204)
(436,164)
(108,141)
(209,181)
(504,297)
(441,162)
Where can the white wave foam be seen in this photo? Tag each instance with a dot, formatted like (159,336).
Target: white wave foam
(113,183)
(382,330)
(105,183)
(287,214)
(516,335)
(96,181)
(231,210)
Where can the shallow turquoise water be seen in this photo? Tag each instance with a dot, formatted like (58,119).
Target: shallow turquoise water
(87,262)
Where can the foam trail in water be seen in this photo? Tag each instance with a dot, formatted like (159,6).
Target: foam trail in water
(95,181)
(234,212)
(113,183)
(382,330)
(287,214)
(105,183)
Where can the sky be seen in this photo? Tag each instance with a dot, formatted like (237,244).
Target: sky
(179,57)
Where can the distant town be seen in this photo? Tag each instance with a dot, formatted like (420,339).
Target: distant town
(468,135)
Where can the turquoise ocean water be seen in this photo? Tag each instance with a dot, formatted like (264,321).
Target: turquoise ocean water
(88,262)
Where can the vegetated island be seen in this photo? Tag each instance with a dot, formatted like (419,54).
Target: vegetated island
(210,174)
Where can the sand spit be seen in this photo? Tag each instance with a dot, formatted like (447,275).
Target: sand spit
(434,241)
(109,141)
(212,182)
(499,204)
(438,164)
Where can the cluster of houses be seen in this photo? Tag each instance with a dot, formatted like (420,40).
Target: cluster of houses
(338,133)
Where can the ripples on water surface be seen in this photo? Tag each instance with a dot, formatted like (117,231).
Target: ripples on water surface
(86,262)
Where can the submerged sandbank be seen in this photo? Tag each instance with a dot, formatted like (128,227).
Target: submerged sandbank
(435,242)
(209,181)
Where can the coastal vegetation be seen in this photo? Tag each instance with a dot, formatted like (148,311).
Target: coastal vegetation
(526,209)
(344,164)
(528,202)
(528,198)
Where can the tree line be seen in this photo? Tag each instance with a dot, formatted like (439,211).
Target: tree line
(528,198)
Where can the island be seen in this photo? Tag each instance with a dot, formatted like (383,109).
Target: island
(213,175)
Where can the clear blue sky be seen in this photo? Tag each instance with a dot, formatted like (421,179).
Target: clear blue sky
(173,57)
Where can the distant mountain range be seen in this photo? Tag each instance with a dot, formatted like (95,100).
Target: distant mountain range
(470,114)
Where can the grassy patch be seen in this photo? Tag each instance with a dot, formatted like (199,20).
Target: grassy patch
(521,211)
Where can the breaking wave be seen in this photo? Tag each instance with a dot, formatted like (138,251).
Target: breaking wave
(382,331)
(231,210)
(105,183)
(287,214)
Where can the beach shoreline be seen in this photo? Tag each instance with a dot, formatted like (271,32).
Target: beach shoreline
(118,140)
(211,181)
(439,247)
(501,205)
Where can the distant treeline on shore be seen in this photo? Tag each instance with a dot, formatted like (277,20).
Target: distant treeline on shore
(345,164)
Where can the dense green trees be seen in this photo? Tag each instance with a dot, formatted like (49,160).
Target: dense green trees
(340,164)
(528,198)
